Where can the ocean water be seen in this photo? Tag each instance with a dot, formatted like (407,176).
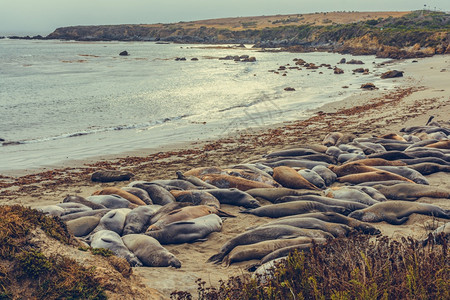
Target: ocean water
(63,101)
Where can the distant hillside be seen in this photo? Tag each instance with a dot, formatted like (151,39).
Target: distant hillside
(386,34)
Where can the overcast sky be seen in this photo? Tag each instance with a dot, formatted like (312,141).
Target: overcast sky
(43,16)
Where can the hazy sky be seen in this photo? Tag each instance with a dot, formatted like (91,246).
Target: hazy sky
(43,16)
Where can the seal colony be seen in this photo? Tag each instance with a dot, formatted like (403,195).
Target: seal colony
(303,196)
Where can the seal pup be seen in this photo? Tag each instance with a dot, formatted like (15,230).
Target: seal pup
(350,205)
(82,200)
(228,181)
(113,221)
(149,251)
(331,138)
(142,194)
(293,208)
(110,175)
(350,194)
(429,168)
(313,178)
(111,240)
(94,212)
(195,180)
(82,226)
(406,172)
(397,212)
(188,231)
(328,176)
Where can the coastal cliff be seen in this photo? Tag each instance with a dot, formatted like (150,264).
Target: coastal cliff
(393,35)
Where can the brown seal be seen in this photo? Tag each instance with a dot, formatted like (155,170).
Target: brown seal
(392,136)
(380,162)
(332,138)
(290,178)
(372,176)
(196,197)
(124,194)
(351,168)
(440,145)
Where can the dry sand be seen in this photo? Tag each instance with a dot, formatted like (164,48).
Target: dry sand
(424,91)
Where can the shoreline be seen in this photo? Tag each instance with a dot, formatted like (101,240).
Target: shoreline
(423,92)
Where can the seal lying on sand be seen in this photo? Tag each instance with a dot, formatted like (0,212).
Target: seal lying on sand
(149,251)
(122,193)
(110,240)
(371,176)
(187,231)
(397,212)
(265,233)
(289,178)
(273,194)
(411,192)
(138,219)
(293,208)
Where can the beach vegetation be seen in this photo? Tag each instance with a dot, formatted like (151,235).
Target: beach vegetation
(359,267)
(25,269)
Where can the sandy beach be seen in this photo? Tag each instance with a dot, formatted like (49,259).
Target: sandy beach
(424,92)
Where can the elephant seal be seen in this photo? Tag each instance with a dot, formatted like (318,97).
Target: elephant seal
(265,233)
(349,194)
(284,252)
(196,197)
(149,251)
(82,226)
(411,192)
(292,152)
(445,144)
(372,192)
(348,157)
(165,209)
(252,176)
(111,201)
(351,168)
(197,172)
(58,211)
(336,229)
(111,175)
(334,151)
(293,208)
(289,178)
(371,176)
(111,240)
(158,194)
(185,214)
(397,212)
(391,155)
(333,217)
(177,183)
(188,231)
(124,194)
(113,221)
(234,197)
(313,178)
(261,249)
(228,181)
(319,157)
(328,176)
(257,168)
(142,194)
(350,205)
(406,172)
(273,194)
(138,219)
(295,163)
(94,212)
(393,136)
(429,168)
(332,138)
(82,200)
(419,160)
(380,162)
(195,180)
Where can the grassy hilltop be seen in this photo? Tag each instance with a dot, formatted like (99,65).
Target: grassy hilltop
(386,34)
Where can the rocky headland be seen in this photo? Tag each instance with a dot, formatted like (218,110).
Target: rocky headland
(384,34)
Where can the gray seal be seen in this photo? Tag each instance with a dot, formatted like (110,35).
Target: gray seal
(157,193)
(405,172)
(272,194)
(328,176)
(111,201)
(187,231)
(149,251)
(350,205)
(293,208)
(234,196)
(398,212)
(429,168)
(313,178)
(138,219)
(411,192)
(111,240)
(113,221)
(82,200)
(140,193)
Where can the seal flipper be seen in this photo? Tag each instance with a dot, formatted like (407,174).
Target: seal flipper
(222,213)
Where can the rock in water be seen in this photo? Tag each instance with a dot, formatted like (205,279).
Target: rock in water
(124,53)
